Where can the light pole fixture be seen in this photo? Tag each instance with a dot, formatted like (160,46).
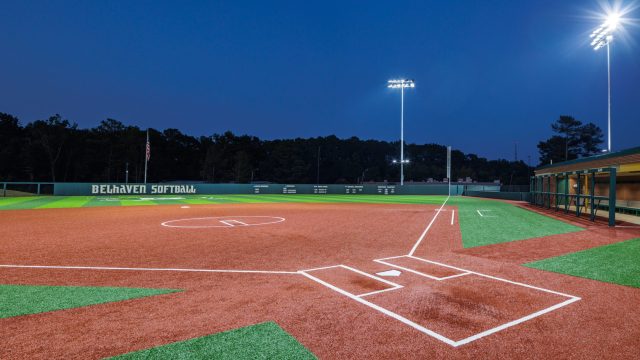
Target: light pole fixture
(601,37)
(401,84)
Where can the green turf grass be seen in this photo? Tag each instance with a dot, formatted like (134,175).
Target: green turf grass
(129,200)
(502,222)
(261,341)
(615,263)
(67,202)
(30,202)
(16,300)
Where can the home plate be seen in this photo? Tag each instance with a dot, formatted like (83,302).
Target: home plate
(389,273)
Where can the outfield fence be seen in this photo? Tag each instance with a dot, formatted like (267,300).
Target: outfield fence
(14,189)
(113,189)
(517,196)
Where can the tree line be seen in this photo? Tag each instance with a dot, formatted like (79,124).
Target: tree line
(573,139)
(56,149)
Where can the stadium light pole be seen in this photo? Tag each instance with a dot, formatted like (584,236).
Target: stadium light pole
(401,84)
(603,36)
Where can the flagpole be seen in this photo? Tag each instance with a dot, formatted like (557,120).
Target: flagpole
(146,156)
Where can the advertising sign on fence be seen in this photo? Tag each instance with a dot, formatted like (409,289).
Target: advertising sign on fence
(88,189)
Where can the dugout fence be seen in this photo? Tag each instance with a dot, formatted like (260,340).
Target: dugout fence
(576,192)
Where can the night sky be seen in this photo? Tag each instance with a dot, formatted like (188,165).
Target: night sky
(488,73)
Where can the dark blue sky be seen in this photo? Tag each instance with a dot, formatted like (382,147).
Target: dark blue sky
(488,73)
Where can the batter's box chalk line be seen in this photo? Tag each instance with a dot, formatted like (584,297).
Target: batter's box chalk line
(463,272)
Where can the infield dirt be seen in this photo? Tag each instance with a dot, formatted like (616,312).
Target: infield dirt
(605,323)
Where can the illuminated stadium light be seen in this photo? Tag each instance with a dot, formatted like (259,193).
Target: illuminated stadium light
(401,84)
(405,161)
(603,36)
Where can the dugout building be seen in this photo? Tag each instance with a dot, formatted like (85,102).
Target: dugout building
(605,185)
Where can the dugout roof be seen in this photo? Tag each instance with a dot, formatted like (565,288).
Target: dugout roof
(625,161)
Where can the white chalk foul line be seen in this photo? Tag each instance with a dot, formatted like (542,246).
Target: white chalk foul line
(424,233)
(480,213)
(145,269)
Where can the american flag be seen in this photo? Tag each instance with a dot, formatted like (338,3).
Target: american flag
(148,149)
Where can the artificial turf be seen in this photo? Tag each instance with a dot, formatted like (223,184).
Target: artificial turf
(497,221)
(16,300)
(486,222)
(40,202)
(614,263)
(261,341)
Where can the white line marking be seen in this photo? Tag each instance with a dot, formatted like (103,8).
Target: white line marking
(381,261)
(393,285)
(495,277)
(379,291)
(382,310)
(238,222)
(454,276)
(431,333)
(226,223)
(515,322)
(453,215)
(393,257)
(372,276)
(145,269)
(424,233)
(274,220)
(480,213)
(321,268)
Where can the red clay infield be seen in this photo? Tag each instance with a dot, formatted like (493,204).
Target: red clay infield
(455,304)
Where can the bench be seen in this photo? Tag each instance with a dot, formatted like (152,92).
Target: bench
(631,207)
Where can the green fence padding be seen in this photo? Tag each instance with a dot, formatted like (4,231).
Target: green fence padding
(517,196)
(87,189)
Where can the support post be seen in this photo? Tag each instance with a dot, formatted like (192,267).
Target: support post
(4,189)
(566,193)
(556,191)
(549,192)
(531,190)
(612,197)
(592,198)
(578,190)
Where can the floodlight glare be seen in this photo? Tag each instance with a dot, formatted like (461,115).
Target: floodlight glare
(603,36)
(613,21)
(401,84)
